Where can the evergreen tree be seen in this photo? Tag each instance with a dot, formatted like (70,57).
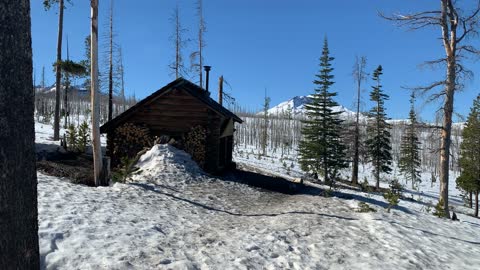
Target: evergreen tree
(321,149)
(409,150)
(378,143)
(469,179)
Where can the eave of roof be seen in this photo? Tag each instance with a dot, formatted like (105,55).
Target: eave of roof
(182,83)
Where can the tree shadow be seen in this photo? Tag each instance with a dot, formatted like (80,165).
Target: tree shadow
(349,196)
(266,182)
(281,185)
(432,233)
(450,199)
(211,208)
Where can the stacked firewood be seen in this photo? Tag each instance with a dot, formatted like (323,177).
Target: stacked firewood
(194,143)
(130,139)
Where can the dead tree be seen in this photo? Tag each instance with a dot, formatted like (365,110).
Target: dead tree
(359,76)
(179,43)
(58,76)
(456,27)
(197,66)
(97,150)
(121,71)
(110,66)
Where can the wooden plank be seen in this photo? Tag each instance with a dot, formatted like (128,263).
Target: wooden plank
(174,124)
(169,114)
(178,106)
(173,101)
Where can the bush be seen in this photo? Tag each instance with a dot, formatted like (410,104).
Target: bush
(83,137)
(72,137)
(393,194)
(439,210)
(78,138)
(363,207)
(126,168)
(365,186)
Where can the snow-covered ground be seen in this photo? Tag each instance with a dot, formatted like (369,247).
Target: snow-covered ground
(172,216)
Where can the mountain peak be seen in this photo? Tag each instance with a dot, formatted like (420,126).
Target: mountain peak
(297,107)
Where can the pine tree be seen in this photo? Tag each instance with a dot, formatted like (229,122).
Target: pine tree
(469,179)
(409,150)
(378,143)
(321,149)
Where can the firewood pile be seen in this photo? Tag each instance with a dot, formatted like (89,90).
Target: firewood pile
(195,144)
(130,139)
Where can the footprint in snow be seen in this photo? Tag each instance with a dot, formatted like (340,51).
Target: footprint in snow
(165,261)
(252,248)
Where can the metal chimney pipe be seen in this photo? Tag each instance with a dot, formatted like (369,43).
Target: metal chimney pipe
(220,90)
(207,71)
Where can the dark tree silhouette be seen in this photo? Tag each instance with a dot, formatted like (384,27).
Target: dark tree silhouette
(18,180)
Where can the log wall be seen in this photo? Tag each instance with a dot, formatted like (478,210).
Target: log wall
(174,114)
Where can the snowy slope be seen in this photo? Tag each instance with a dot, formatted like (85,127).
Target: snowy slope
(297,107)
(211,224)
(172,216)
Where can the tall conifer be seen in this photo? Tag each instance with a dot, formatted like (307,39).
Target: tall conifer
(469,179)
(321,150)
(378,143)
(409,150)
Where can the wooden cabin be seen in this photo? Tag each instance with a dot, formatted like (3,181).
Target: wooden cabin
(173,111)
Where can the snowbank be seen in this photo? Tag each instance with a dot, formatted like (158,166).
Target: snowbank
(165,164)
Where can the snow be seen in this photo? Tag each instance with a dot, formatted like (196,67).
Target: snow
(297,107)
(173,216)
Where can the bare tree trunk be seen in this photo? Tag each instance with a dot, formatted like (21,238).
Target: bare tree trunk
(359,75)
(200,41)
(65,101)
(177,41)
(447,128)
(470,201)
(97,150)
(18,178)
(122,75)
(476,204)
(110,71)
(58,77)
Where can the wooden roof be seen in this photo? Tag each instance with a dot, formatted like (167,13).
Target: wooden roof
(179,83)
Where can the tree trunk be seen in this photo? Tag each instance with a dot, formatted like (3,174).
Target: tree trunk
(110,71)
(447,133)
(97,150)
(65,101)
(356,156)
(470,201)
(18,180)
(58,77)
(476,204)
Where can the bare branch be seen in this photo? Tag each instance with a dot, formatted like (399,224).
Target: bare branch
(415,21)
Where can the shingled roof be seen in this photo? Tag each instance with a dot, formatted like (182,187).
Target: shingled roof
(179,83)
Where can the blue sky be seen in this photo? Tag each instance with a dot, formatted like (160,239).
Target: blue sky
(272,44)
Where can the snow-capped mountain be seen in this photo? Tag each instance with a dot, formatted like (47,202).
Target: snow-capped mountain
(296,106)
